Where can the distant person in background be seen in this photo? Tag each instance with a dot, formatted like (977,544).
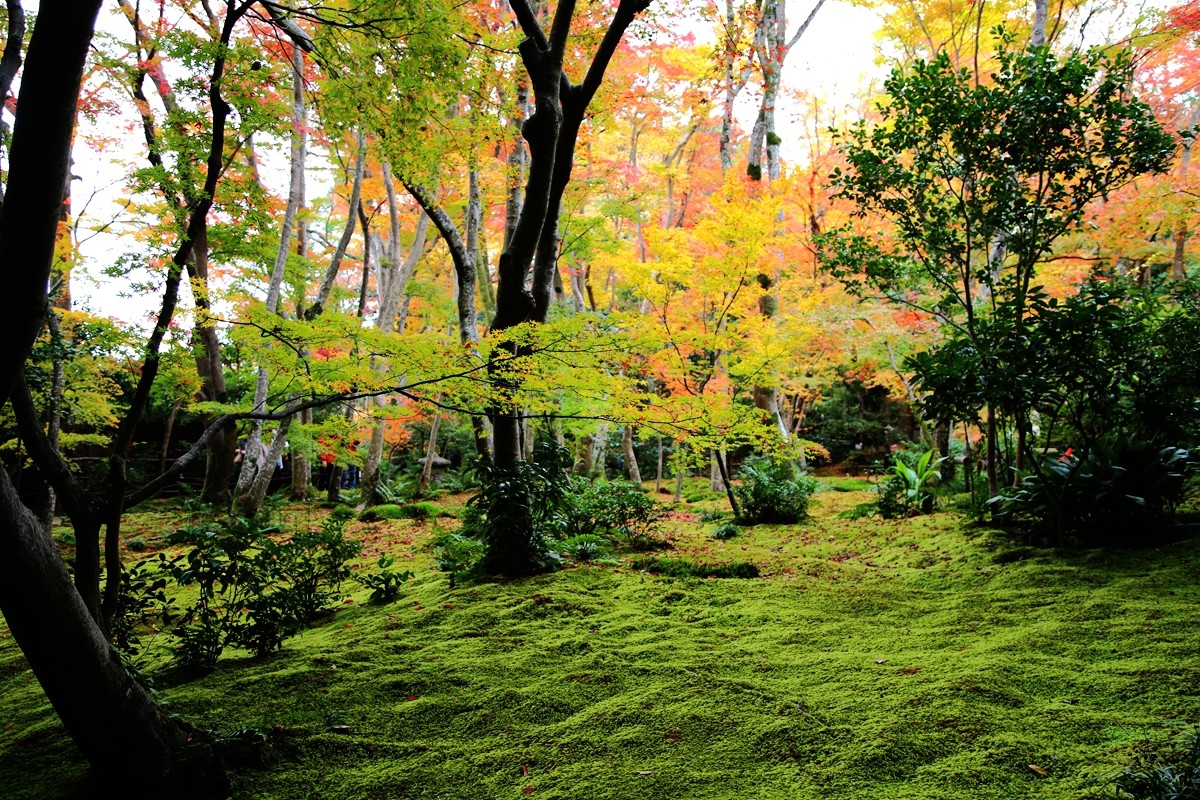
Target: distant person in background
(352,472)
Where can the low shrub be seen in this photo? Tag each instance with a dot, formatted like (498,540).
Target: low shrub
(616,508)
(683,568)
(1102,497)
(422,510)
(384,584)
(585,547)
(252,590)
(726,531)
(908,490)
(772,492)
(456,554)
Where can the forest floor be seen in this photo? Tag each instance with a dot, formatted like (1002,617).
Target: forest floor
(919,658)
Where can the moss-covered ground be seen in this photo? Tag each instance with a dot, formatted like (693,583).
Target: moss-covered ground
(873,659)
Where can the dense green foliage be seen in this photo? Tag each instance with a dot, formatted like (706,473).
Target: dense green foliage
(772,491)
(1118,494)
(613,508)
(908,490)
(252,588)
(519,511)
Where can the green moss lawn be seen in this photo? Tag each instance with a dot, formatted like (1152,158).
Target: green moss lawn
(872,660)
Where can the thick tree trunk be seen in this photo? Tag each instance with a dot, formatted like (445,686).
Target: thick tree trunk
(116,726)
(1038,36)
(551,133)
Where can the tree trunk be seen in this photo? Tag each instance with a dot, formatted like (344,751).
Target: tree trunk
(112,720)
(631,466)
(716,481)
(1038,36)
(658,473)
(394,280)
(302,464)
(430,455)
(255,461)
(993,446)
(551,131)
(1178,262)
(120,731)
(719,457)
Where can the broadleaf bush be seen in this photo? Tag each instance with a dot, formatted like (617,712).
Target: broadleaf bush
(772,492)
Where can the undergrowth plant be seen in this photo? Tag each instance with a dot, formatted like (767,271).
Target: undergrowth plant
(685,568)
(614,508)
(772,492)
(585,547)
(252,589)
(1174,776)
(456,553)
(909,489)
(385,584)
(1105,496)
(518,511)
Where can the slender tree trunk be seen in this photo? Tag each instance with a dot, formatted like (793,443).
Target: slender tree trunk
(719,457)
(993,447)
(631,466)
(339,253)
(301,463)
(658,473)
(679,470)
(430,455)
(168,430)
(1178,261)
(252,483)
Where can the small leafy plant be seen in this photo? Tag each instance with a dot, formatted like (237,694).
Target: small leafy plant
(456,554)
(908,492)
(385,584)
(1176,776)
(726,530)
(585,547)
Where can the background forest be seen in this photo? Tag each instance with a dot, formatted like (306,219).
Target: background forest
(299,292)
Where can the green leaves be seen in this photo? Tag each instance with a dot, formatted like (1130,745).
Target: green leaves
(980,180)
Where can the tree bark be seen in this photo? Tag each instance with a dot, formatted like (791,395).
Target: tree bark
(116,726)
(632,470)
(430,455)
(1038,36)
(258,463)
(551,132)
